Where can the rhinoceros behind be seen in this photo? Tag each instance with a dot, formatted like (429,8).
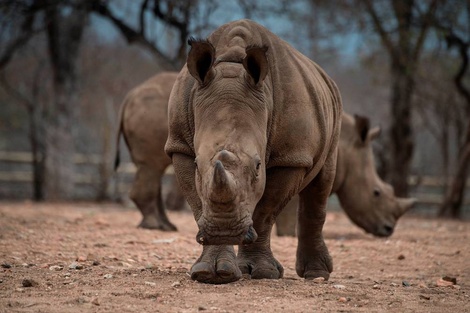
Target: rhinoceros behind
(252,122)
(366,199)
(144,125)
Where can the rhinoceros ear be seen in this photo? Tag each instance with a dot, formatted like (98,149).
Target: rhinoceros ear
(362,126)
(373,133)
(256,63)
(200,60)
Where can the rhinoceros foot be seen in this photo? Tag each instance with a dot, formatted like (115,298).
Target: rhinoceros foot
(259,264)
(216,265)
(151,222)
(311,266)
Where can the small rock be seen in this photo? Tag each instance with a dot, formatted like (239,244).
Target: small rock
(201,308)
(81,258)
(75,266)
(108,276)
(422,285)
(405,283)
(56,268)
(456,287)
(319,280)
(149,283)
(124,264)
(401,257)
(95,263)
(424,297)
(394,284)
(444,283)
(6,265)
(95,301)
(342,299)
(376,286)
(176,284)
(28,283)
(451,279)
(339,286)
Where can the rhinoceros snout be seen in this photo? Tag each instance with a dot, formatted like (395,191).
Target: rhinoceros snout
(244,238)
(250,236)
(385,230)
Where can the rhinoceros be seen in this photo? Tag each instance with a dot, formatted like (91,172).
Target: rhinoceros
(367,200)
(144,126)
(253,122)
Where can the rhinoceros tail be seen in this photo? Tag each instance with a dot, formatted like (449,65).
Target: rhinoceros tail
(117,158)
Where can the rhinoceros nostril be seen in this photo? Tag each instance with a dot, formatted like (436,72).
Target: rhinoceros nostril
(250,236)
(388,230)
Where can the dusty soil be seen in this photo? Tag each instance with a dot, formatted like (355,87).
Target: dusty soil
(92,258)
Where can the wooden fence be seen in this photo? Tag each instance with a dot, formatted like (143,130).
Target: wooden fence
(427,189)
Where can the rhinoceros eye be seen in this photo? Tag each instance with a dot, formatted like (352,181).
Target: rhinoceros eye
(376,192)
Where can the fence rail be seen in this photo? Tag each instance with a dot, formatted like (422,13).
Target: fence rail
(128,168)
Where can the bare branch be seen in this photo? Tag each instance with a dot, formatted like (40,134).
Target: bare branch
(134,37)
(427,21)
(387,42)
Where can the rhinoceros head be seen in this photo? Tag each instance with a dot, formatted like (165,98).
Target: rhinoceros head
(230,135)
(367,200)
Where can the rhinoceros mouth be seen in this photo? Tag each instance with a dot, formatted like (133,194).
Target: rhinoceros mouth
(216,234)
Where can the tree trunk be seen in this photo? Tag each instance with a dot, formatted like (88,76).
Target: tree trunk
(455,193)
(38,150)
(64,31)
(401,133)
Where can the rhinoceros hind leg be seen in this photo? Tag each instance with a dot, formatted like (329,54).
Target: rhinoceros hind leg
(146,193)
(216,265)
(151,222)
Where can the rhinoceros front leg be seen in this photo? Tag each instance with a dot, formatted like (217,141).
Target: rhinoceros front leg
(313,259)
(217,264)
(257,258)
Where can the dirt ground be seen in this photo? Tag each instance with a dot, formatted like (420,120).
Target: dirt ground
(86,257)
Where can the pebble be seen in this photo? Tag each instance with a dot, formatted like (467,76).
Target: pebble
(394,284)
(28,283)
(108,276)
(339,286)
(342,299)
(56,268)
(6,265)
(149,283)
(176,284)
(405,283)
(376,286)
(424,297)
(81,258)
(75,266)
(319,280)
(95,301)
(401,257)
(96,263)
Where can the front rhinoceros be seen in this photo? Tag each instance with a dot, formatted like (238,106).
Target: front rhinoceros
(253,122)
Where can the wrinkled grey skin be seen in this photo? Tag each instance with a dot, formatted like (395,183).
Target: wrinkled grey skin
(144,126)
(368,201)
(253,122)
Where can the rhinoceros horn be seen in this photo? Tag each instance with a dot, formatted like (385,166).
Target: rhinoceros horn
(222,185)
(406,204)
